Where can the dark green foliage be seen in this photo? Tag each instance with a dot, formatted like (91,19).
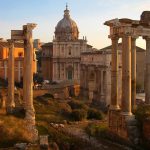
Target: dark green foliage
(42,130)
(65,109)
(78,114)
(48,95)
(77,105)
(97,130)
(94,114)
(141,113)
(37,78)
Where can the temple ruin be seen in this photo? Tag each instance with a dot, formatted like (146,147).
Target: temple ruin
(121,119)
(25,36)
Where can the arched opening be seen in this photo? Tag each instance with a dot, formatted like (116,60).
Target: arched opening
(70,73)
(91,85)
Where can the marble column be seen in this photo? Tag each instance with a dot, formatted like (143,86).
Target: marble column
(10,101)
(5,70)
(24,70)
(19,71)
(126,75)
(133,72)
(28,76)
(101,82)
(114,74)
(147,71)
(28,79)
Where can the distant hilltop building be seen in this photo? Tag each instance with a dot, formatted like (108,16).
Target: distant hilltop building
(19,57)
(61,58)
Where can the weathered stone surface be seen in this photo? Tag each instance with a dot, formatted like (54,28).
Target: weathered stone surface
(21,146)
(44,142)
(10,103)
(145,16)
(146,129)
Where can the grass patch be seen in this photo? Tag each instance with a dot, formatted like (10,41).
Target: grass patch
(12,131)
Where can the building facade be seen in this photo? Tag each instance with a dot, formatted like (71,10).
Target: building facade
(18,56)
(95,74)
(61,58)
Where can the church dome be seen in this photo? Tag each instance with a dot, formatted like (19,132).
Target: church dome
(66,28)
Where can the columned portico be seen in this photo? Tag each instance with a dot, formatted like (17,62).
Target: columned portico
(122,121)
(114,74)
(147,71)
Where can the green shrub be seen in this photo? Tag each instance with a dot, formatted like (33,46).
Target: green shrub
(42,130)
(65,109)
(48,95)
(12,131)
(77,105)
(97,130)
(141,113)
(78,114)
(94,114)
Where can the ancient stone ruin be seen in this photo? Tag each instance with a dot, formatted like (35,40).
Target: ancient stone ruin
(25,36)
(121,119)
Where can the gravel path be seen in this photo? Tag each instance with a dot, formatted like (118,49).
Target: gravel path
(99,145)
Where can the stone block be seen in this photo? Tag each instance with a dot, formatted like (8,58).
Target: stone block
(21,146)
(146,129)
(44,142)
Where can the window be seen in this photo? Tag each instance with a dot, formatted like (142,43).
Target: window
(20,54)
(62,49)
(69,51)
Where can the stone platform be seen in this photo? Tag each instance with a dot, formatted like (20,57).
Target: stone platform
(123,125)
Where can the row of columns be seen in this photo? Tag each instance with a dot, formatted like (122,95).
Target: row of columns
(128,73)
(98,79)
(27,75)
(18,68)
(128,51)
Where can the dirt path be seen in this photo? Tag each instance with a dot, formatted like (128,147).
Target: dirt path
(99,145)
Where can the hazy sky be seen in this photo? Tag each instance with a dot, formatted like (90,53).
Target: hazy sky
(88,14)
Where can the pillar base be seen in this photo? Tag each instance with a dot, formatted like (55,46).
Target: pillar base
(124,125)
(114,107)
(31,128)
(127,114)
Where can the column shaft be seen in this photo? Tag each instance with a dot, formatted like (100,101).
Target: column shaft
(126,75)
(133,73)
(24,74)
(101,82)
(30,113)
(147,71)
(114,74)
(10,101)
